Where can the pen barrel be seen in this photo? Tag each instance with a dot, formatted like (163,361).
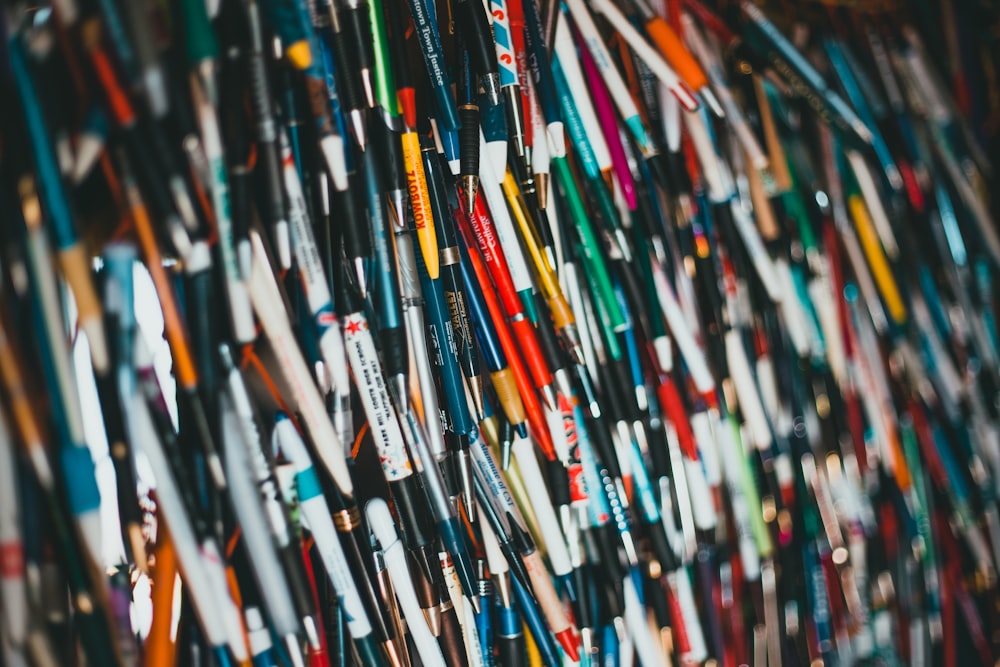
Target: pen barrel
(511,648)
(414,515)
(468,138)
(673,49)
(478,37)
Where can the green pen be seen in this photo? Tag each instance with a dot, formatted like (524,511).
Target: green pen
(765,547)
(592,256)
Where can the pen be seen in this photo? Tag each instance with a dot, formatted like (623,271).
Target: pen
(413,315)
(478,230)
(388,305)
(267,135)
(387,596)
(334,36)
(541,76)
(387,123)
(468,110)
(313,505)
(425,22)
(383,527)
(202,53)
(478,37)
(387,435)
(12,582)
(257,535)
(51,191)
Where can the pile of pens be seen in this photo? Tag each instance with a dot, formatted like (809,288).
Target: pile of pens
(506,332)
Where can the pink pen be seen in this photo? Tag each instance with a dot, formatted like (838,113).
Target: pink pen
(609,123)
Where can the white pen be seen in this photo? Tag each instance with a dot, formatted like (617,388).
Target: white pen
(14,600)
(260,548)
(384,527)
(314,280)
(565,51)
(270,309)
(649,55)
(609,72)
(319,520)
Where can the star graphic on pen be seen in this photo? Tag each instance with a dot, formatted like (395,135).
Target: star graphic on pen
(353,327)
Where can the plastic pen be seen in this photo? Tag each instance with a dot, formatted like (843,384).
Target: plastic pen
(478,230)
(249,509)
(451,274)
(71,252)
(202,53)
(388,123)
(495,492)
(314,281)
(317,514)
(478,36)
(12,581)
(469,132)
(532,407)
(493,352)
(387,434)
(541,76)
(425,22)
(383,527)
(412,300)
(333,36)
(424,214)
(388,305)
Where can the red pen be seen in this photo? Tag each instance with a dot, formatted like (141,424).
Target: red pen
(478,231)
(532,408)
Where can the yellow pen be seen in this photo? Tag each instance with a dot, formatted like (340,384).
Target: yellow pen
(562,314)
(877,261)
(423,218)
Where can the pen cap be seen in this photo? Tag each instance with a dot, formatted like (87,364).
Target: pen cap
(381,523)
(200,42)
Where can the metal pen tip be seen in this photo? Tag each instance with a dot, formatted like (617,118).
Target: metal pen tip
(542,189)
(712,101)
(491,85)
(476,604)
(549,396)
(368,86)
(470,186)
(360,277)
(358,128)
(398,198)
(399,385)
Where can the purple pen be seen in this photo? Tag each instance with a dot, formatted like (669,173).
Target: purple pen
(609,123)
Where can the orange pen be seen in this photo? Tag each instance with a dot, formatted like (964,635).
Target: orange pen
(160,650)
(532,406)
(669,43)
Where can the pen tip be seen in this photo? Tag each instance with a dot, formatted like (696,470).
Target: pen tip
(359,276)
(433,617)
(476,603)
(549,396)
(491,85)
(369,87)
(521,430)
(568,640)
(359,129)
(399,207)
(470,186)
(399,388)
(542,189)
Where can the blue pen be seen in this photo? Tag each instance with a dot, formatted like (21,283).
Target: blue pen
(609,646)
(536,624)
(496,360)
(541,75)
(425,22)
(484,617)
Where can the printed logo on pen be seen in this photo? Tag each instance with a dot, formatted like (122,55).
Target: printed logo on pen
(416,200)
(355,325)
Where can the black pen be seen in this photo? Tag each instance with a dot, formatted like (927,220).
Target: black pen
(454,291)
(468,133)
(268,156)
(475,29)
(334,36)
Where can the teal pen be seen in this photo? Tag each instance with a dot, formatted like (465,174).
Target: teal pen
(72,255)
(595,179)
(425,23)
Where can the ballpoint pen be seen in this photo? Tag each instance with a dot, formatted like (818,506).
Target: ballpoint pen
(564,53)
(413,315)
(388,436)
(387,123)
(425,22)
(468,133)
(118,300)
(333,35)
(278,522)
(493,120)
(199,560)
(489,318)
(388,305)
(315,283)
(268,304)
(383,528)
(75,458)
(495,493)
(257,535)
(387,596)
(475,29)
(317,514)
(478,230)
(268,154)
(539,59)
(202,52)
(70,252)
